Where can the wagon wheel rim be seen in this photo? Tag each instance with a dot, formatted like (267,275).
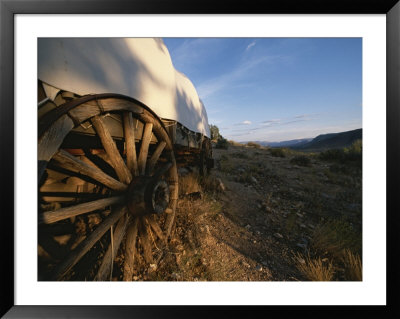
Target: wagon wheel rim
(141,194)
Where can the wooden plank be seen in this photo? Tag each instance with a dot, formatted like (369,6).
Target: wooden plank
(154,158)
(118,163)
(62,268)
(50,217)
(129,133)
(70,162)
(144,148)
(109,256)
(130,250)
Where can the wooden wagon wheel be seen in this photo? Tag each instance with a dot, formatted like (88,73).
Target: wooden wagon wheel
(107,165)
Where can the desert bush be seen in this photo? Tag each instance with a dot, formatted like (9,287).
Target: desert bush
(189,184)
(351,154)
(222,143)
(253,144)
(352,266)
(278,152)
(242,155)
(225,164)
(334,237)
(314,268)
(233,143)
(301,160)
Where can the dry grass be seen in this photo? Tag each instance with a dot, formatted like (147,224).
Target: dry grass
(314,269)
(189,184)
(353,266)
(334,237)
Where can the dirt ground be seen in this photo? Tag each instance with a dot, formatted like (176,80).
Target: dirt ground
(259,217)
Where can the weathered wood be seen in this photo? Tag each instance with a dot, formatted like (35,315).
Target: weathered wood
(104,157)
(92,108)
(154,158)
(118,163)
(70,162)
(51,140)
(144,148)
(156,228)
(130,250)
(145,242)
(62,268)
(111,252)
(50,217)
(129,133)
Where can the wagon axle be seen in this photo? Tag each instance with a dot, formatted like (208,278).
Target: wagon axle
(147,195)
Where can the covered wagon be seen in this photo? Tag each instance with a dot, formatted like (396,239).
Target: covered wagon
(115,121)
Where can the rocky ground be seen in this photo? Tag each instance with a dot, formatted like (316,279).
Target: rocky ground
(266,215)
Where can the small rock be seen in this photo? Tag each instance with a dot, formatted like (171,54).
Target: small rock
(265,263)
(311,226)
(245,264)
(135,278)
(175,275)
(301,260)
(299,215)
(208,229)
(220,185)
(247,227)
(183,171)
(258,232)
(327,196)
(303,246)
(259,206)
(254,241)
(277,235)
(253,180)
(303,226)
(259,268)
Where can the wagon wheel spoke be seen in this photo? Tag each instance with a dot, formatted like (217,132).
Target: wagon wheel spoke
(129,133)
(50,217)
(88,243)
(145,242)
(156,228)
(72,163)
(154,158)
(144,147)
(118,163)
(130,250)
(112,250)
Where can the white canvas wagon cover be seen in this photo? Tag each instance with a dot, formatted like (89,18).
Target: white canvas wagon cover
(137,67)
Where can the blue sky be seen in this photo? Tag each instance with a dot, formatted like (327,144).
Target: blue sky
(274,89)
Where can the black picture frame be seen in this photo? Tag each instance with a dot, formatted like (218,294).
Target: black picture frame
(8,10)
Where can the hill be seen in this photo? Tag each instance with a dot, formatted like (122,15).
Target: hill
(332,140)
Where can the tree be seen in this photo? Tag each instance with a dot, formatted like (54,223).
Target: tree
(214,130)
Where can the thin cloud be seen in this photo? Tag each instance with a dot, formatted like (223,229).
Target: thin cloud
(244,123)
(252,44)
(226,80)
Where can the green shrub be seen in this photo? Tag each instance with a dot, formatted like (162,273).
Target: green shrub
(301,160)
(253,144)
(222,143)
(278,152)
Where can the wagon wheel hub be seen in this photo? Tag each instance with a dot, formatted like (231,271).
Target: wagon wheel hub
(147,195)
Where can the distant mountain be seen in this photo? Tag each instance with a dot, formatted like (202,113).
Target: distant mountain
(289,143)
(332,140)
